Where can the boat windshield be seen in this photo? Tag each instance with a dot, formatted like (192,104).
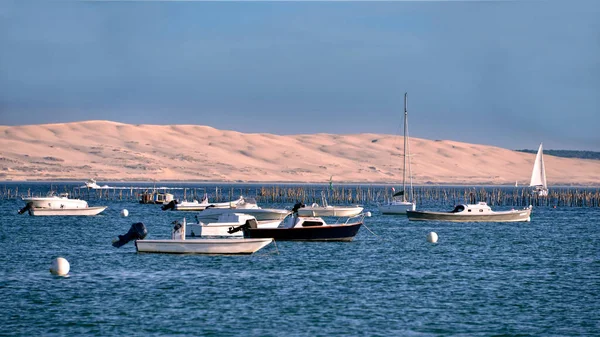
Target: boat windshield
(458,208)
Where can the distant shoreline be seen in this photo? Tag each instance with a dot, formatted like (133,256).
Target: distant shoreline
(215,182)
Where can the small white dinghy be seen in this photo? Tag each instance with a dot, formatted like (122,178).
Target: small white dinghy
(179,245)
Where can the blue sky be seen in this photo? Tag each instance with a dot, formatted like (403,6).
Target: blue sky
(505,73)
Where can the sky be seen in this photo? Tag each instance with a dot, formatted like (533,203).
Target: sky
(511,74)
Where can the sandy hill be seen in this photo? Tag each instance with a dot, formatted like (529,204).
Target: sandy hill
(109,151)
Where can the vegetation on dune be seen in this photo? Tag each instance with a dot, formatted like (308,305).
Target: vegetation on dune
(568,153)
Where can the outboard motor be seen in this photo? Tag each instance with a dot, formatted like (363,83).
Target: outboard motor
(170,205)
(26,208)
(297,206)
(137,231)
(232,230)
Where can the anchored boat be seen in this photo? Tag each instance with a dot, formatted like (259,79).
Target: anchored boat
(195,205)
(246,206)
(223,224)
(328,210)
(399,203)
(58,205)
(479,212)
(178,244)
(297,228)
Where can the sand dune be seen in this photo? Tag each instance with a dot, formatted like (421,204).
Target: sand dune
(109,151)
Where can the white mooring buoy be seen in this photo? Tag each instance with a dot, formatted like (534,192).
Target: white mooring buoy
(124,213)
(432,237)
(60,266)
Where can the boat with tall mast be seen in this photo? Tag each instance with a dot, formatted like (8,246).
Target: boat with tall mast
(400,203)
(538,175)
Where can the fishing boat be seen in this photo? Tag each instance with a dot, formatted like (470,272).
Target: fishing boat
(400,203)
(297,228)
(328,210)
(224,223)
(246,206)
(479,212)
(178,244)
(156,197)
(538,175)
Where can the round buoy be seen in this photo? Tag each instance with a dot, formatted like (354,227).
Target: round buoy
(125,213)
(60,266)
(432,237)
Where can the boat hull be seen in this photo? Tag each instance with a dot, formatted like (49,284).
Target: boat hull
(261,214)
(329,211)
(396,208)
(196,207)
(508,216)
(88,211)
(199,206)
(345,232)
(202,246)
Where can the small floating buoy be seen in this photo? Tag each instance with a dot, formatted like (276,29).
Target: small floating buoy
(432,237)
(124,212)
(60,266)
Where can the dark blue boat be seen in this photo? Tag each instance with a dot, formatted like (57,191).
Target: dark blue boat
(295,228)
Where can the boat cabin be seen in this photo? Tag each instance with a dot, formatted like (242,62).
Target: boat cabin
(478,208)
(292,221)
(156,198)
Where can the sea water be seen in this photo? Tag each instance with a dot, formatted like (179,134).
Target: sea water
(538,278)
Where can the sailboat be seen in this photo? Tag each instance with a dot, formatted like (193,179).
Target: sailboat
(399,203)
(538,175)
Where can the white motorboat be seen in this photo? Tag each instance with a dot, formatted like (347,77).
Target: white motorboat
(479,212)
(67,211)
(198,206)
(55,201)
(58,205)
(91,183)
(224,223)
(178,244)
(328,210)
(399,203)
(246,206)
(538,175)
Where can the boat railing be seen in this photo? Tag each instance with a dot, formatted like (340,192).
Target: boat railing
(360,216)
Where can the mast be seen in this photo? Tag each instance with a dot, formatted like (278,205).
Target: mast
(405,146)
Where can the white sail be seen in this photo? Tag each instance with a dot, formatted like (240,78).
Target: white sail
(538,175)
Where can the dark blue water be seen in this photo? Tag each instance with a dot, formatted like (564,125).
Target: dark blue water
(540,278)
